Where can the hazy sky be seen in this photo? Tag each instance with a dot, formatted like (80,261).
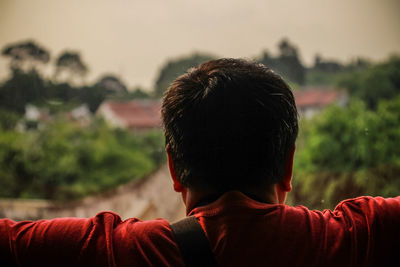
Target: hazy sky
(133,38)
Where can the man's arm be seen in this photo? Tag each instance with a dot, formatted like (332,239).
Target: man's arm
(103,240)
(58,242)
(372,225)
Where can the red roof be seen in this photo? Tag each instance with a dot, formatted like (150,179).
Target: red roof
(316,97)
(137,113)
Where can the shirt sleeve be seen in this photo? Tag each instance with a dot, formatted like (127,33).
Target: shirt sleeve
(103,240)
(59,242)
(373,229)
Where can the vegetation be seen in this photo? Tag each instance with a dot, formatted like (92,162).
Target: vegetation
(59,158)
(24,88)
(331,73)
(26,55)
(26,85)
(70,62)
(174,68)
(65,161)
(287,63)
(348,152)
(342,152)
(380,81)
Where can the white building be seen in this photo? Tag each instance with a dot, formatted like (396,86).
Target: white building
(309,101)
(132,115)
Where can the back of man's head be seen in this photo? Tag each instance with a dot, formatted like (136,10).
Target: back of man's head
(229,124)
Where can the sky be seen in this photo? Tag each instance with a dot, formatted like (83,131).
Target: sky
(133,39)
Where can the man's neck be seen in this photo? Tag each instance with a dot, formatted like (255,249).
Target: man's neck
(193,198)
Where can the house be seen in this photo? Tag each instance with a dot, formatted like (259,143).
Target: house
(146,114)
(312,100)
(80,115)
(37,117)
(34,118)
(132,115)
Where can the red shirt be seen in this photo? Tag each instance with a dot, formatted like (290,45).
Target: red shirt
(242,232)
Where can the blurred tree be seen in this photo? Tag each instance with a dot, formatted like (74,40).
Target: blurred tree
(63,92)
(287,63)
(268,60)
(330,72)
(70,62)
(8,119)
(64,161)
(139,93)
(112,85)
(324,65)
(93,96)
(30,88)
(22,88)
(25,55)
(344,153)
(380,81)
(174,68)
(358,63)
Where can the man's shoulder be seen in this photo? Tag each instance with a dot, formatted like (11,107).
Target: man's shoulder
(148,227)
(145,243)
(132,228)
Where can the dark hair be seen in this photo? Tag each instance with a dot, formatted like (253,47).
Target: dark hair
(229,125)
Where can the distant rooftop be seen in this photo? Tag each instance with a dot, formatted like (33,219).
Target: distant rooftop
(145,114)
(133,114)
(316,97)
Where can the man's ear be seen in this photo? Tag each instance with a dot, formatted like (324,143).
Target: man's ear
(286,183)
(178,187)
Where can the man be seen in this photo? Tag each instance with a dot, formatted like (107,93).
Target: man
(230,128)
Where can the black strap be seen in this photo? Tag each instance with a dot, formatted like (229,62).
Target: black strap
(193,243)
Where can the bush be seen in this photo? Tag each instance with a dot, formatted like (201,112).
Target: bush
(347,152)
(64,161)
(378,82)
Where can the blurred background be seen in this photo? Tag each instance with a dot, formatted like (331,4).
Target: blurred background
(81,83)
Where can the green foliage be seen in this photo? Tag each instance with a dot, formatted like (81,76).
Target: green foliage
(380,81)
(317,77)
(347,152)
(138,93)
(91,95)
(287,63)
(332,73)
(25,52)
(8,119)
(112,85)
(326,66)
(22,88)
(175,68)
(70,62)
(65,162)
